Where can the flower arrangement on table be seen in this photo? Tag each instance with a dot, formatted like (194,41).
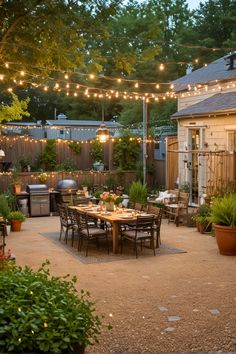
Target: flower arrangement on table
(43,177)
(108,197)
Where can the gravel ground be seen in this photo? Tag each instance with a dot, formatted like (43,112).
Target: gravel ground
(183,302)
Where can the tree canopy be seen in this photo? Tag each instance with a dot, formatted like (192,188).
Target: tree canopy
(42,41)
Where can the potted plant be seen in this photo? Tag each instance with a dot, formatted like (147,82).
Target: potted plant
(110,199)
(202,218)
(138,192)
(16,182)
(45,314)
(43,177)
(223,218)
(16,218)
(4,211)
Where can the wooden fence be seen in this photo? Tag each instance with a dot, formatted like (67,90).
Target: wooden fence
(94,178)
(220,172)
(19,147)
(219,168)
(22,147)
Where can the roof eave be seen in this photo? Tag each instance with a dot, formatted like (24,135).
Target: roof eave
(205,114)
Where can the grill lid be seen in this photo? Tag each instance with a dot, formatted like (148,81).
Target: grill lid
(67,185)
(37,188)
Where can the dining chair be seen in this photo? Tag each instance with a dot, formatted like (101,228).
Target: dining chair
(142,231)
(158,212)
(179,209)
(66,221)
(90,232)
(80,200)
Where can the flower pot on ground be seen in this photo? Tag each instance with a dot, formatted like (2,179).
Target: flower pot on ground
(46,312)
(223,218)
(16,218)
(201,218)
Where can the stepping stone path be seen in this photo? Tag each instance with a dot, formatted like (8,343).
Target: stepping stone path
(174,318)
(162,308)
(169,329)
(214,312)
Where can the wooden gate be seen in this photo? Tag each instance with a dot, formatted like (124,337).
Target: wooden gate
(171,161)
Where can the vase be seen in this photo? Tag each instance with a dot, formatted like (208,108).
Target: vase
(109,206)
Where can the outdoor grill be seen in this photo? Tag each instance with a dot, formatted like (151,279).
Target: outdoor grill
(39,201)
(66,188)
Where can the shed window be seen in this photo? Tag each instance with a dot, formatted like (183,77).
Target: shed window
(232,141)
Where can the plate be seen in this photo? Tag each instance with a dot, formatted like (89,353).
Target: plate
(126,216)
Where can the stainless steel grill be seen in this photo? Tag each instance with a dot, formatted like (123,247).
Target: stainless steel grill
(66,188)
(39,201)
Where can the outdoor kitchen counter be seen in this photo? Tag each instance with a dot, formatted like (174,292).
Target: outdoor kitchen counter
(53,199)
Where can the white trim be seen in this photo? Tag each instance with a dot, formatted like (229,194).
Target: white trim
(196,124)
(230,127)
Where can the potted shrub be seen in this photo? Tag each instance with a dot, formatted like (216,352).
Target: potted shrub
(45,314)
(16,182)
(202,218)
(223,218)
(138,192)
(4,211)
(16,218)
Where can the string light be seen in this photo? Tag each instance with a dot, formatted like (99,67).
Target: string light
(108,92)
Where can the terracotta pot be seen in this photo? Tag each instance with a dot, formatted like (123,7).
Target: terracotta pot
(16,225)
(226,239)
(197,226)
(17,188)
(201,228)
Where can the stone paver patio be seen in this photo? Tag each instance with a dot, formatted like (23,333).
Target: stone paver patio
(174,302)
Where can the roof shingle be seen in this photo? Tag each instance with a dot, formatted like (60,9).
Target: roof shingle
(217,104)
(217,70)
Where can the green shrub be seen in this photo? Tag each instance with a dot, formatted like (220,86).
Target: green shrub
(126,152)
(75,146)
(47,159)
(68,165)
(4,207)
(42,313)
(138,192)
(96,151)
(223,210)
(16,215)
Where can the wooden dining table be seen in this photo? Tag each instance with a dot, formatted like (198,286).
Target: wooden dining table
(115,218)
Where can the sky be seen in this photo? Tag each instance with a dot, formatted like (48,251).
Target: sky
(193,4)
